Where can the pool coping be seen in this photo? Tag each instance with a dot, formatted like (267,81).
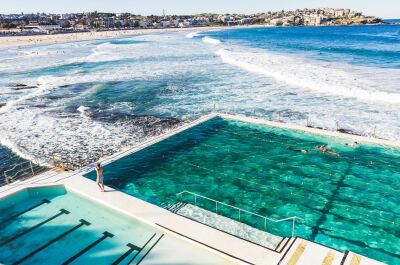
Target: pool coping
(238,250)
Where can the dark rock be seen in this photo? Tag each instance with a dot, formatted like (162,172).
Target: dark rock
(347,132)
(24,87)
(2,105)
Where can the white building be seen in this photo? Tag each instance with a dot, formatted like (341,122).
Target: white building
(276,22)
(47,29)
(185,24)
(143,24)
(165,24)
(175,22)
(314,20)
(107,22)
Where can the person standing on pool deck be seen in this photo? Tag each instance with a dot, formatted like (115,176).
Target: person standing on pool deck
(100,178)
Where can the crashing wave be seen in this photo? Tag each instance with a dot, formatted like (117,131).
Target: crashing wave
(37,134)
(308,74)
(83,111)
(210,40)
(191,35)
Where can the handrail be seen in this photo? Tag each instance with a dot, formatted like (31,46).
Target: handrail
(22,171)
(292,218)
(8,170)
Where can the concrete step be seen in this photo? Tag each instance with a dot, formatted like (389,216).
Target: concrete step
(284,244)
(304,252)
(352,258)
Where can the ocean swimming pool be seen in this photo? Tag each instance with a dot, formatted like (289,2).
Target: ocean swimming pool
(52,225)
(350,202)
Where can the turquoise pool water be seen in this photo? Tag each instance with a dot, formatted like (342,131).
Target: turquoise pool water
(54,226)
(348,202)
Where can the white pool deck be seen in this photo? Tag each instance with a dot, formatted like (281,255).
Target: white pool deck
(233,249)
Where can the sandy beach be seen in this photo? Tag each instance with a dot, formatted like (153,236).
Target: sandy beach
(19,41)
(12,41)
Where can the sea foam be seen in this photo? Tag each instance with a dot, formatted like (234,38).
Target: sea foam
(210,40)
(83,111)
(191,35)
(312,75)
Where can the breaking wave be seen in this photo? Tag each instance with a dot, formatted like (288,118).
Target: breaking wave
(210,40)
(38,133)
(191,35)
(83,111)
(311,75)
(42,87)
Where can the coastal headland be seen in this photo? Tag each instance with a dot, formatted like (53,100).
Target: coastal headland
(35,29)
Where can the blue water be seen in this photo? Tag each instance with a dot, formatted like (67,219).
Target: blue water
(359,45)
(348,202)
(71,209)
(394,20)
(89,99)
(27,224)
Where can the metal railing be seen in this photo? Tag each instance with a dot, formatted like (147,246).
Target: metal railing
(19,170)
(240,211)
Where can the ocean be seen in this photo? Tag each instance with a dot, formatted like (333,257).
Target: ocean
(88,99)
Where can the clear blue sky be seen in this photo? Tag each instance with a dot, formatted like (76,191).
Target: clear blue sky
(381,8)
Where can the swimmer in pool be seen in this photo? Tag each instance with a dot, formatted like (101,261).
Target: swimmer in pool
(353,144)
(299,150)
(324,149)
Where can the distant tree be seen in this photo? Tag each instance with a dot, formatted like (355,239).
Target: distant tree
(136,24)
